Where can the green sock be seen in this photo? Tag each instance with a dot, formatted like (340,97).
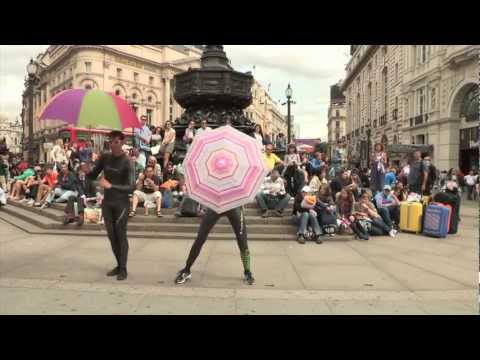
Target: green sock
(245,256)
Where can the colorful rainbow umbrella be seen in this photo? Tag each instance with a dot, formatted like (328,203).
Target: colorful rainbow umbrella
(224,169)
(91,109)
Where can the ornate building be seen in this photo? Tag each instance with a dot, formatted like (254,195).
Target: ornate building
(12,132)
(414,94)
(265,111)
(336,120)
(142,74)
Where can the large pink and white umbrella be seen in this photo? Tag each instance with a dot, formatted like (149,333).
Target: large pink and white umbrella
(224,169)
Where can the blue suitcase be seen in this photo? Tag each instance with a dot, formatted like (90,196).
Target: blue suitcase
(436,220)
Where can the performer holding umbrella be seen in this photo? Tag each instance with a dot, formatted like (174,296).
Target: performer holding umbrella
(97,109)
(224,170)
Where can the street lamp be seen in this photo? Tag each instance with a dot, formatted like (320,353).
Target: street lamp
(32,80)
(289,94)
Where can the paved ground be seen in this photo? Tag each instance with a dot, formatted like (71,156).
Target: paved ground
(409,274)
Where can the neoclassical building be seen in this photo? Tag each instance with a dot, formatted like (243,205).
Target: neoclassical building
(414,94)
(142,74)
(12,132)
(265,111)
(337,119)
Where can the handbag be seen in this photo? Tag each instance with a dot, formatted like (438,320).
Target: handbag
(155,149)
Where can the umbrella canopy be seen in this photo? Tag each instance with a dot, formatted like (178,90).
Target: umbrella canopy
(91,108)
(224,169)
(305,148)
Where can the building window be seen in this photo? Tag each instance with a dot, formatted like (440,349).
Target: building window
(117,92)
(88,87)
(134,96)
(150,80)
(470,106)
(135,109)
(421,102)
(413,139)
(396,72)
(119,73)
(149,116)
(337,113)
(149,99)
(88,67)
(337,124)
(433,99)
(135,77)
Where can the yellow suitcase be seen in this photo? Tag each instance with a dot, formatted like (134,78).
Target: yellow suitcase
(411,216)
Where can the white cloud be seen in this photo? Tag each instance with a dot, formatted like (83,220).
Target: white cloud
(310,69)
(13,62)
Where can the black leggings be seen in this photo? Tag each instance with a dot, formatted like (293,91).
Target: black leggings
(115,215)
(237,220)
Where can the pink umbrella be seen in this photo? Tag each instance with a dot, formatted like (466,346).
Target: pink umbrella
(224,169)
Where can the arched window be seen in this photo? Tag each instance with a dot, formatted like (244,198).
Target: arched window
(88,87)
(470,105)
(117,92)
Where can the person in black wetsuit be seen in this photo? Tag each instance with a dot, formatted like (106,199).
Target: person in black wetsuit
(118,182)
(237,220)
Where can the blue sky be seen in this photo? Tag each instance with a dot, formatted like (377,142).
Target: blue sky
(310,69)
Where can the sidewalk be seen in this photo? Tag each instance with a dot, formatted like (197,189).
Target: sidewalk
(409,274)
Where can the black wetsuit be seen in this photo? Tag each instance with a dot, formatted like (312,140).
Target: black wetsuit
(237,220)
(118,171)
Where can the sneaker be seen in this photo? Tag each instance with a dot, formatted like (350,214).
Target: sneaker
(30,202)
(23,201)
(248,278)
(331,235)
(114,272)
(45,205)
(278,213)
(183,276)
(37,204)
(301,239)
(264,213)
(392,233)
(67,220)
(122,274)
(318,239)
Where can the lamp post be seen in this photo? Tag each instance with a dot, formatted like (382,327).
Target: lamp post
(32,80)
(289,94)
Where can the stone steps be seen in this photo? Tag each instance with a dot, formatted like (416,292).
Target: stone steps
(56,212)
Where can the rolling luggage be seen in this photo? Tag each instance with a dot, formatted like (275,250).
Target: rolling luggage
(411,214)
(453,200)
(437,218)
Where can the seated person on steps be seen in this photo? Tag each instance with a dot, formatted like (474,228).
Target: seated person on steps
(147,191)
(273,195)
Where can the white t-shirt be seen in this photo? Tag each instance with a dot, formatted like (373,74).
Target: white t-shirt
(471,179)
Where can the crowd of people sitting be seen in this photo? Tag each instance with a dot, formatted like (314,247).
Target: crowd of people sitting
(326,199)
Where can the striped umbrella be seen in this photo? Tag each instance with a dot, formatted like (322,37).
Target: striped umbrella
(224,169)
(91,109)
